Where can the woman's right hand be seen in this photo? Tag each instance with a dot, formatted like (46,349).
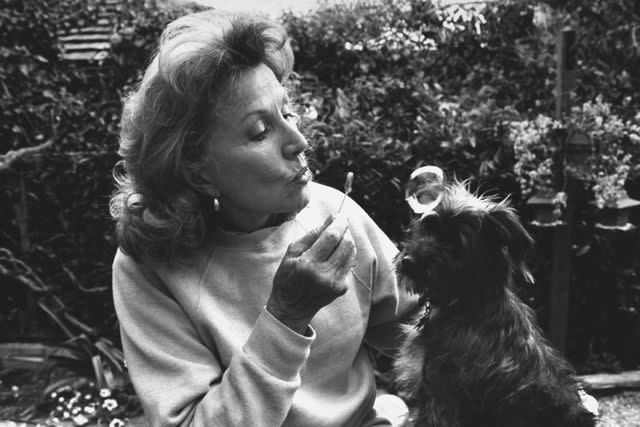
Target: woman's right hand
(312,273)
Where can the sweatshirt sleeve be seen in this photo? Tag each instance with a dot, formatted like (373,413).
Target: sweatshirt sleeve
(391,305)
(179,379)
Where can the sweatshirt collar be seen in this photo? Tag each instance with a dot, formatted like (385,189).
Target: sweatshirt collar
(264,238)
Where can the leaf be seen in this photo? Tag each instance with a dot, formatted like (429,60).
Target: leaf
(73,382)
(344,107)
(24,69)
(472,141)
(582,250)
(98,371)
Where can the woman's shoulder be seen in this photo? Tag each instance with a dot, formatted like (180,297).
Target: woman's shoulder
(126,269)
(325,197)
(157,272)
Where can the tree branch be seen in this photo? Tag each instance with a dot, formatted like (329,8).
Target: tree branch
(7,159)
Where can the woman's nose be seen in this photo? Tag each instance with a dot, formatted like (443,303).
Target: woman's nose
(295,143)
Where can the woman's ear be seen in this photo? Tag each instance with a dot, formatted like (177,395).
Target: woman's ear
(201,176)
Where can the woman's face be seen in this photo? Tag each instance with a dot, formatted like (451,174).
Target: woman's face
(258,166)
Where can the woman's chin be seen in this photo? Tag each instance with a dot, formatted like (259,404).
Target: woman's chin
(290,203)
(303,199)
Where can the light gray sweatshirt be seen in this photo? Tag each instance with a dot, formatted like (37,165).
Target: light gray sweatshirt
(202,350)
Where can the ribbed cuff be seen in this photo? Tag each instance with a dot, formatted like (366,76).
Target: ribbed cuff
(277,349)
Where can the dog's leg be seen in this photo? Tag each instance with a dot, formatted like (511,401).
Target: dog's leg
(407,367)
(435,413)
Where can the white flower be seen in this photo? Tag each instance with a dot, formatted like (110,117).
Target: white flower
(110,404)
(105,392)
(541,16)
(116,422)
(80,420)
(90,409)
(599,121)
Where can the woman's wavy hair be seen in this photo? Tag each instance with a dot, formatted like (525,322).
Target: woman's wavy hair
(160,205)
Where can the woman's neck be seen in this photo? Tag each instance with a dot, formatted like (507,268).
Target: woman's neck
(247,223)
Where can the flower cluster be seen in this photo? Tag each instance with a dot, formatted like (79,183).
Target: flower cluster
(609,188)
(457,17)
(396,39)
(85,404)
(534,154)
(400,37)
(542,13)
(615,143)
(596,119)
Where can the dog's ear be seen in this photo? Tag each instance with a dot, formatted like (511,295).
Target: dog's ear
(514,238)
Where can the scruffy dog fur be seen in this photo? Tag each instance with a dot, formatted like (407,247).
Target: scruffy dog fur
(476,356)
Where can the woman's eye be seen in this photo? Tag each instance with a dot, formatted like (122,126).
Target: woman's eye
(292,118)
(259,134)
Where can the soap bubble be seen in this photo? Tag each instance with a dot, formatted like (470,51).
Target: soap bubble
(424,190)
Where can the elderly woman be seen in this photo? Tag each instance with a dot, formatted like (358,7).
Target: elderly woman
(244,297)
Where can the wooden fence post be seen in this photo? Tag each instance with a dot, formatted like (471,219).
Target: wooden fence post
(561,268)
(566,78)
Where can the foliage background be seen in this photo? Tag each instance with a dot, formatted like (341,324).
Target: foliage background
(387,101)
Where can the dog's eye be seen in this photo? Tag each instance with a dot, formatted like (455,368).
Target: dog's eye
(430,223)
(408,260)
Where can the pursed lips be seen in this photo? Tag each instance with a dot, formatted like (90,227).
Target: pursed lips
(300,173)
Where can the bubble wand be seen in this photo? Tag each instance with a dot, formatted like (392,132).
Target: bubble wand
(348,182)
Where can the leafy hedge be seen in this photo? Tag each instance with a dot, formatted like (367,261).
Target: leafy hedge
(395,85)
(78,107)
(447,106)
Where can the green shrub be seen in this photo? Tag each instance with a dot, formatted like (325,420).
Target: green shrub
(443,84)
(78,108)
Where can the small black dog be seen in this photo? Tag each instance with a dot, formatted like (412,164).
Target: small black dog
(476,357)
